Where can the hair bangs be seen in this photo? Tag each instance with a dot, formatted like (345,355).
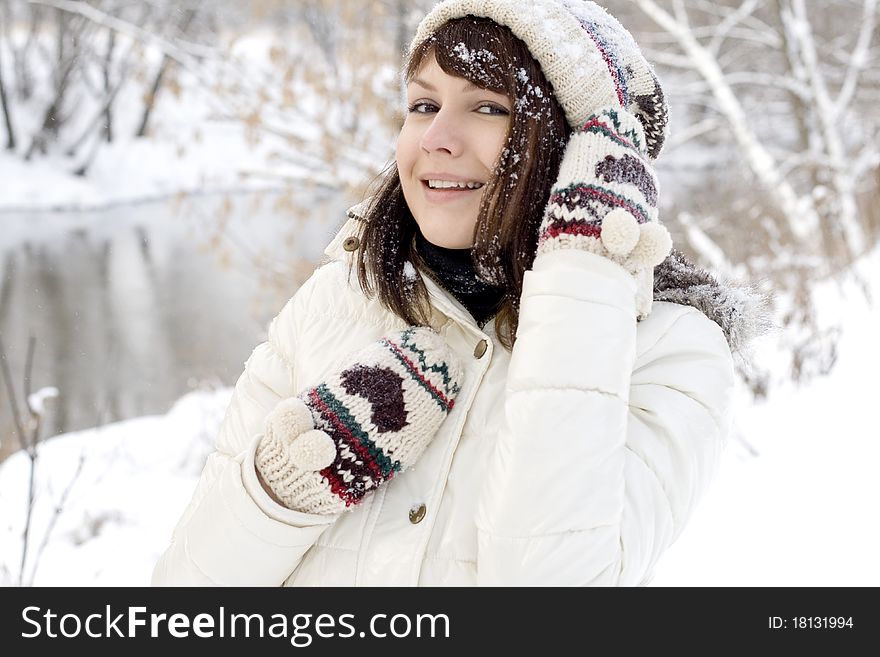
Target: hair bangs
(470,48)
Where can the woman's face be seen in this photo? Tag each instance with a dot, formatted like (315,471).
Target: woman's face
(453,134)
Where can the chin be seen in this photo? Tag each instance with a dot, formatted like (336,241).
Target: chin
(453,245)
(437,232)
(444,239)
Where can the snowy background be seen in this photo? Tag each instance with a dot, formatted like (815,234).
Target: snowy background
(145,267)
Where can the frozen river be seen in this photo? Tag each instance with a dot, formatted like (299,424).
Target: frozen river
(133,306)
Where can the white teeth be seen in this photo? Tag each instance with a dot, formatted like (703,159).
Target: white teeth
(448,184)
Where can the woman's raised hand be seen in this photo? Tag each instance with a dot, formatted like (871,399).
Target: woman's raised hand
(605,198)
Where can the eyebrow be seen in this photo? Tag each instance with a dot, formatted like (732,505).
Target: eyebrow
(430,87)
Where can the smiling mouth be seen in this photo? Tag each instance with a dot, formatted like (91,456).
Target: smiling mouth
(435,186)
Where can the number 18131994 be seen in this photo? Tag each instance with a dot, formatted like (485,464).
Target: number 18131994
(810,622)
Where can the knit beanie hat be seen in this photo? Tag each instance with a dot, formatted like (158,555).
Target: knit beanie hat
(600,78)
(589,58)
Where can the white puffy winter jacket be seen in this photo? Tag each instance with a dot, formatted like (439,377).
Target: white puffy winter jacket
(576,459)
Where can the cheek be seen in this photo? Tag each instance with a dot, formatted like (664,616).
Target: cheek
(492,142)
(404,170)
(405,152)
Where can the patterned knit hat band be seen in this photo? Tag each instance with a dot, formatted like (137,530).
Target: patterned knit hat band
(589,58)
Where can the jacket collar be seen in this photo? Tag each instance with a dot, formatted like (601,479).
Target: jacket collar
(441,300)
(741,311)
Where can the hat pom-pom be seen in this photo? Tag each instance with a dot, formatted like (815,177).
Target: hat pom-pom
(620,232)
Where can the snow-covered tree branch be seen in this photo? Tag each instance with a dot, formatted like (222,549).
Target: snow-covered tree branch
(784,93)
(65,63)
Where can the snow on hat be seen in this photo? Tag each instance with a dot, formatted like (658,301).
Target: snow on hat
(587,56)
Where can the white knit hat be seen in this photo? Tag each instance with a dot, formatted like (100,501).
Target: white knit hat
(587,56)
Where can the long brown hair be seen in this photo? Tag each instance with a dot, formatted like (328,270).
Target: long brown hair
(506,233)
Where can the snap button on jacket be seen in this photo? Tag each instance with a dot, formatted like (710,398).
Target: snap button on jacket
(417,514)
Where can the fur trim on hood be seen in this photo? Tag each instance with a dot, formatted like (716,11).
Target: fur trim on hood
(742,311)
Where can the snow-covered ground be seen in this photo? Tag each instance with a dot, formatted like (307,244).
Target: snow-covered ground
(802,512)
(122,487)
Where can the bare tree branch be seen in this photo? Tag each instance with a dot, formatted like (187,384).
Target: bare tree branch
(10,392)
(827,119)
(729,22)
(188,55)
(800,216)
(4,101)
(28,369)
(56,513)
(150,100)
(859,58)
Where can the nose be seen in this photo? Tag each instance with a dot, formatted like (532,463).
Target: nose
(444,134)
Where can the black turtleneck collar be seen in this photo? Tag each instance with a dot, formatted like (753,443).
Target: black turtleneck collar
(454,271)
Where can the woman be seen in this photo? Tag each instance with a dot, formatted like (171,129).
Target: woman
(488,382)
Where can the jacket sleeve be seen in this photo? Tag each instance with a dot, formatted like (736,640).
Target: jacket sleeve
(232,533)
(601,458)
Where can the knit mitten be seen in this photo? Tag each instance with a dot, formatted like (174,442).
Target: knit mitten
(605,198)
(324,450)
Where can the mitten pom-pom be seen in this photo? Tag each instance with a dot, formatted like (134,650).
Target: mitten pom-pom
(314,450)
(620,232)
(653,246)
(289,418)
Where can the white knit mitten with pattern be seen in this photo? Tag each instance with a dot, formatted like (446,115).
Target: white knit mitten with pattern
(324,450)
